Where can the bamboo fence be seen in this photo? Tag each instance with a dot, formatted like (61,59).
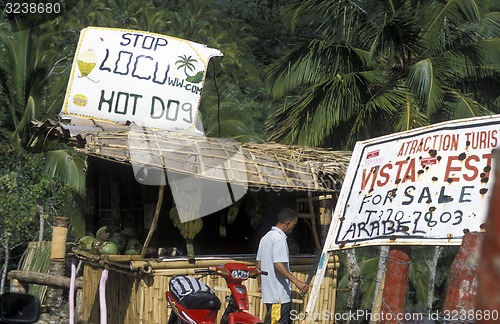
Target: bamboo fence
(133,296)
(37,258)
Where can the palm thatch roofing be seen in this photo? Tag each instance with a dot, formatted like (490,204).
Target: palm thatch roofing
(268,165)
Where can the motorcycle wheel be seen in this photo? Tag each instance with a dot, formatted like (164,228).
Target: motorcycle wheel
(173,319)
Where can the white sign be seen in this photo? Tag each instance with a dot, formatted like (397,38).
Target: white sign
(425,186)
(122,76)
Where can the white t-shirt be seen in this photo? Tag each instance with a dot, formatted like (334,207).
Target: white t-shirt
(273,247)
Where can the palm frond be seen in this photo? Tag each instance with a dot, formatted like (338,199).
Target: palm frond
(409,116)
(463,106)
(444,16)
(424,82)
(67,166)
(313,61)
(28,116)
(418,277)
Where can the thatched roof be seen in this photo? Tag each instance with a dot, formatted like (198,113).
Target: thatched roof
(268,165)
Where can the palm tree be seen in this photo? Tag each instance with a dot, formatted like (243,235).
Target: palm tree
(232,101)
(31,89)
(368,68)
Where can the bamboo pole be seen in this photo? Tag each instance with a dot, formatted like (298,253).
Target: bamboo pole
(155,220)
(325,218)
(121,258)
(313,223)
(137,265)
(179,271)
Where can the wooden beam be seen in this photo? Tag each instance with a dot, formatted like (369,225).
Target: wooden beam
(316,198)
(32,277)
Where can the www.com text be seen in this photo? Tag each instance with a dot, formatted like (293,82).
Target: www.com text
(359,315)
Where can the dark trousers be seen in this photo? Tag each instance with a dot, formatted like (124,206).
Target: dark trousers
(278,314)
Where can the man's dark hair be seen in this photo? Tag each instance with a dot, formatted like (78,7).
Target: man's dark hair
(286,215)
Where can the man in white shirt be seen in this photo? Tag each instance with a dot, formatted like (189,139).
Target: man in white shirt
(272,257)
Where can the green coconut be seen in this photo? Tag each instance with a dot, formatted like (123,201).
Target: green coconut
(133,244)
(103,233)
(129,233)
(119,240)
(132,252)
(108,248)
(96,245)
(85,242)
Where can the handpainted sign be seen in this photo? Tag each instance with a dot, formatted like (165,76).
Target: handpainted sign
(425,186)
(125,76)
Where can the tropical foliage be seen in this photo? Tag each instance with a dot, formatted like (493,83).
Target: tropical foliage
(36,56)
(367,68)
(341,71)
(25,190)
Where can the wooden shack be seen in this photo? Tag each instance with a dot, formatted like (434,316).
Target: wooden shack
(131,288)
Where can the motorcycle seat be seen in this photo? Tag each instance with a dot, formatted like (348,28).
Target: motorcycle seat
(193,293)
(201,300)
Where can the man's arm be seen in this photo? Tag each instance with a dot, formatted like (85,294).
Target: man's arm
(258,265)
(281,268)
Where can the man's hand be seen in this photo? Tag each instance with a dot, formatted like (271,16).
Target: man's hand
(303,287)
(281,268)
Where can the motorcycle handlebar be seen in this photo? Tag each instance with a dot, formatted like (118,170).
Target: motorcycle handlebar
(211,270)
(207,270)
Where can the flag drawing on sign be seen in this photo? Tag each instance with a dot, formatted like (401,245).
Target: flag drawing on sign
(372,154)
(428,161)
(373,158)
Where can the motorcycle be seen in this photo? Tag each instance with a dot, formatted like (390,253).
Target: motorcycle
(193,302)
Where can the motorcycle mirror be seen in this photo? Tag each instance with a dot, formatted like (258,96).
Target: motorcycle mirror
(16,308)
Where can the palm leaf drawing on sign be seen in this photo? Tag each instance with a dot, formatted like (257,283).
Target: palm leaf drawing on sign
(186,63)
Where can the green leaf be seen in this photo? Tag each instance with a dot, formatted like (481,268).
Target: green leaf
(67,166)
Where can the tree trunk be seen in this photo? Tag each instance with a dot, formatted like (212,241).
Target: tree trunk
(353,281)
(462,279)
(33,277)
(54,296)
(432,265)
(6,248)
(379,286)
(396,283)
(41,215)
(488,294)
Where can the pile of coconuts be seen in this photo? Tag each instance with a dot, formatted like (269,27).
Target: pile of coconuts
(110,240)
